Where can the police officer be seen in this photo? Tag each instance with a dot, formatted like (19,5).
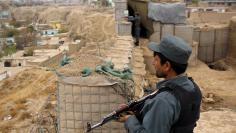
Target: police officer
(137,22)
(176,107)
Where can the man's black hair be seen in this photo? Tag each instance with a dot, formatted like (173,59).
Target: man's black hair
(178,68)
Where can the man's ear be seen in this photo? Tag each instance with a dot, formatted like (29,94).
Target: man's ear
(167,66)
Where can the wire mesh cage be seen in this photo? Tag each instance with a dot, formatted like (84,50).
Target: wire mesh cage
(88,99)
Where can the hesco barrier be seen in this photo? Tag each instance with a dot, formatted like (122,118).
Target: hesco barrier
(88,99)
(232,38)
(213,42)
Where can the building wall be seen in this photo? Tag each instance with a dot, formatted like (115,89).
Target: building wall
(4,14)
(8,41)
(56,25)
(3,75)
(50,32)
(211,17)
(53,62)
(14,62)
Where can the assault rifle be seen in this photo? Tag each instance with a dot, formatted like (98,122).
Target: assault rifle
(133,106)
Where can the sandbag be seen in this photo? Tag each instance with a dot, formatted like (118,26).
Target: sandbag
(170,13)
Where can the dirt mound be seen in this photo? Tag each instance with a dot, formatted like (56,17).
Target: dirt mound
(80,62)
(23,96)
(93,25)
(219,65)
(26,13)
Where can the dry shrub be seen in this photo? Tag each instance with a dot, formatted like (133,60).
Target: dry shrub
(5,128)
(20,107)
(24,115)
(49,106)
(6,84)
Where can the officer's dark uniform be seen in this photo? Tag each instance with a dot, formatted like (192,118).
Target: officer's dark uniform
(176,108)
(137,22)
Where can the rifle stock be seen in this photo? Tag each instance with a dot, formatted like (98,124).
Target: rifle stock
(133,106)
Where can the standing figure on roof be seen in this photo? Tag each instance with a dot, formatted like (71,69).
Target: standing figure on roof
(176,107)
(136,19)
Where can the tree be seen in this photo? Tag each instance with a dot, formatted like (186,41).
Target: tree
(26,37)
(11,32)
(14,23)
(195,1)
(29,52)
(20,42)
(63,30)
(30,29)
(9,49)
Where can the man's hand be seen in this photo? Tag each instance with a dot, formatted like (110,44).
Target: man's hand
(124,116)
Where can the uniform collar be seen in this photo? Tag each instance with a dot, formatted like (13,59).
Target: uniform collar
(177,79)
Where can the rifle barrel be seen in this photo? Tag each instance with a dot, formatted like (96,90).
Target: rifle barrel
(132,106)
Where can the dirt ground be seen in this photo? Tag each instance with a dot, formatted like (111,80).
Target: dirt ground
(22,98)
(218,107)
(29,96)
